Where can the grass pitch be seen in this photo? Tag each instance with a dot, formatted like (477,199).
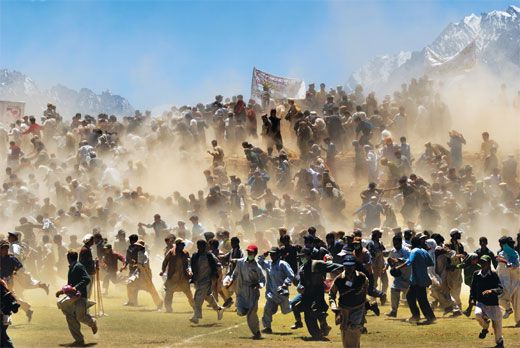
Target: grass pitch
(144,327)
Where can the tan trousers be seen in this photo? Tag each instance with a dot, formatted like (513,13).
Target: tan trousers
(454,283)
(75,316)
(143,282)
(170,288)
(510,298)
(13,285)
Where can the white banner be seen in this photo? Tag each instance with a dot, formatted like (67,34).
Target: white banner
(278,87)
(11,111)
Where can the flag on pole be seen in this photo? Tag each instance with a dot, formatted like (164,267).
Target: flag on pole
(278,87)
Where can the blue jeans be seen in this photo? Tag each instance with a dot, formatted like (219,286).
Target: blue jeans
(296,309)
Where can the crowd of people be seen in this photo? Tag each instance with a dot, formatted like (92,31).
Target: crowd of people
(279,178)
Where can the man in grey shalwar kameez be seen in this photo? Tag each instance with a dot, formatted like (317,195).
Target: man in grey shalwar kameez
(248,279)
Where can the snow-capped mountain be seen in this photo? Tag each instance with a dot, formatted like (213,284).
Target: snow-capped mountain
(491,40)
(378,69)
(15,86)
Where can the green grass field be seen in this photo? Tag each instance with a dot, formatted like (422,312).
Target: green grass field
(144,327)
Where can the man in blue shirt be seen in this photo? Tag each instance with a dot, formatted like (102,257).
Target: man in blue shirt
(279,278)
(419,261)
(398,255)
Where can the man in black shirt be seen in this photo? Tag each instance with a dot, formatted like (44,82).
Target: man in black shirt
(311,277)
(9,264)
(352,287)
(131,260)
(485,289)
(289,252)
(484,250)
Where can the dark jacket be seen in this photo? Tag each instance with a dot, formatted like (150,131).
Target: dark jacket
(212,261)
(335,249)
(8,265)
(131,256)
(169,262)
(78,278)
(349,296)
(290,255)
(312,276)
(481,283)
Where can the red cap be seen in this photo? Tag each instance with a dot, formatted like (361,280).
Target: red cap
(253,248)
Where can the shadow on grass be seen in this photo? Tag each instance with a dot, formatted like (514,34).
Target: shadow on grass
(208,325)
(281,333)
(92,344)
(312,339)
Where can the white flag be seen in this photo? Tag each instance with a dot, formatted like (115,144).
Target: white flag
(278,87)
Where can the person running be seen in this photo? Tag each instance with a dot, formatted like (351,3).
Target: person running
(351,287)
(509,272)
(176,265)
(419,261)
(204,266)
(311,278)
(109,262)
(248,279)
(141,278)
(9,265)
(76,311)
(279,278)
(398,255)
(484,293)
(8,306)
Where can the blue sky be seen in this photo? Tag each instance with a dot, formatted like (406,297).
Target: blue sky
(163,52)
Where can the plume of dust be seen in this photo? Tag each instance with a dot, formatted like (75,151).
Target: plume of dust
(479,102)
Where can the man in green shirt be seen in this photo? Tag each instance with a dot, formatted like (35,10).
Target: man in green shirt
(76,289)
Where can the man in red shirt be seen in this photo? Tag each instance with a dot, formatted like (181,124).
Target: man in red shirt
(34,128)
(251,121)
(15,152)
(110,265)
